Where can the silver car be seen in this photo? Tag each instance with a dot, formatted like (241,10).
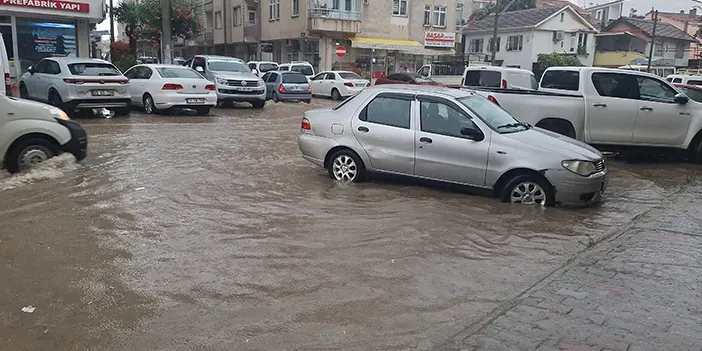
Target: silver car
(234,79)
(74,84)
(453,136)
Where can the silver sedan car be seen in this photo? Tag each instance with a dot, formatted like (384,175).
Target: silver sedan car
(453,136)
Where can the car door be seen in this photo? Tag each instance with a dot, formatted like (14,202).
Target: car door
(611,108)
(383,129)
(328,83)
(271,84)
(36,82)
(151,83)
(660,120)
(316,83)
(442,151)
(134,84)
(264,78)
(50,78)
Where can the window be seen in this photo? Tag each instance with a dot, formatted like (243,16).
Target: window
(319,76)
(329,76)
(439,16)
(265,76)
(679,50)
(483,78)
(564,80)
(694,82)
(294,78)
(272,78)
(273,10)
(562,16)
(295,8)
(252,65)
(199,62)
(497,49)
(177,72)
(514,43)
(693,94)
(252,17)
(573,37)
(493,115)
(349,75)
(131,73)
(651,89)
(304,69)
(265,67)
(236,16)
(598,15)
(218,20)
(616,85)
(442,118)
(476,45)
(677,80)
(93,69)
(52,67)
(582,43)
(459,16)
(399,7)
(389,109)
(424,71)
(427,15)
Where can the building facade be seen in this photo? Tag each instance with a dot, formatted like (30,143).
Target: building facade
(689,23)
(33,30)
(523,35)
(607,12)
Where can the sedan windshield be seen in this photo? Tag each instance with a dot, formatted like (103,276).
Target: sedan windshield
(304,69)
(177,72)
(692,93)
(229,66)
(265,67)
(349,75)
(493,115)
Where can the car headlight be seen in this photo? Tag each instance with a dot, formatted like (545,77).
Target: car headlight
(261,83)
(582,168)
(59,114)
(221,81)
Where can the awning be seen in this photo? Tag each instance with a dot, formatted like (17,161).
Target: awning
(385,44)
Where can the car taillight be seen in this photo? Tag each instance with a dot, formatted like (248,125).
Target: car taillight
(281,88)
(8,85)
(305,124)
(492,98)
(172,86)
(350,85)
(309,89)
(73,81)
(368,84)
(210,87)
(504,84)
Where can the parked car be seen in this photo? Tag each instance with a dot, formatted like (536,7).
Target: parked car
(499,77)
(447,73)
(609,108)
(684,79)
(453,136)
(233,78)
(5,68)
(337,84)
(179,61)
(260,67)
(407,78)
(303,67)
(75,84)
(694,92)
(159,88)
(286,86)
(32,132)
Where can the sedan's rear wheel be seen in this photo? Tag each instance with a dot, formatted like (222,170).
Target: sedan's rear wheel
(694,151)
(149,106)
(275,97)
(528,189)
(55,99)
(24,93)
(345,166)
(335,94)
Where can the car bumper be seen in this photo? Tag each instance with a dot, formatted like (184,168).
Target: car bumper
(574,190)
(314,148)
(227,93)
(351,91)
(83,104)
(290,96)
(176,100)
(78,145)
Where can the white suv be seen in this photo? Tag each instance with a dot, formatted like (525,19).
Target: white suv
(77,84)
(303,67)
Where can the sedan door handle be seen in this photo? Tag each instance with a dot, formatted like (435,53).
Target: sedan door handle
(646,109)
(599,104)
(363,129)
(425,140)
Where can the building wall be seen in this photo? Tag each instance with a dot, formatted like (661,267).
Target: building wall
(691,29)
(522,58)
(287,26)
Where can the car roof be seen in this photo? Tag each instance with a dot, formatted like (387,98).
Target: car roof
(162,65)
(418,89)
(77,60)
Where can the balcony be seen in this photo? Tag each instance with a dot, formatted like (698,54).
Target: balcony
(252,31)
(332,16)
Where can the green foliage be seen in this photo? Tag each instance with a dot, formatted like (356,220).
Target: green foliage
(545,61)
(125,62)
(516,6)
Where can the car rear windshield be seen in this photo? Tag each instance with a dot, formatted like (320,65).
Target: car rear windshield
(349,75)
(294,78)
(93,69)
(176,72)
(304,69)
(483,78)
(265,67)
(561,79)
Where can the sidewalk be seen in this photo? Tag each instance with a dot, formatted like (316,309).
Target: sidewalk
(638,290)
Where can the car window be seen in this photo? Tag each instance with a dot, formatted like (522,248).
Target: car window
(483,78)
(273,77)
(265,67)
(52,67)
(304,69)
(616,85)
(669,79)
(393,77)
(677,80)
(284,68)
(388,110)
(693,94)
(493,115)
(188,62)
(199,62)
(694,82)
(319,76)
(40,67)
(349,75)
(145,72)
(444,119)
(177,72)
(330,76)
(93,69)
(534,83)
(424,71)
(652,89)
(561,79)
(131,73)
(265,76)
(252,65)
(294,78)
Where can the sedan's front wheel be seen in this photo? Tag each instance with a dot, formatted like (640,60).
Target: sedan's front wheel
(345,166)
(529,189)
(149,106)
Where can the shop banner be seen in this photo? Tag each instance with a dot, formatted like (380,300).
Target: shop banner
(440,39)
(50,5)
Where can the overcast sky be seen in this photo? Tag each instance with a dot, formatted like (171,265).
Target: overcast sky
(643,6)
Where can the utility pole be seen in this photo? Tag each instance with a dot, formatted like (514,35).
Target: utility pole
(112,24)
(653,40)
(494,30)
(166,33)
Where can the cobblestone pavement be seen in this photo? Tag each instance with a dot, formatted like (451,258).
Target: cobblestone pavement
(638,289)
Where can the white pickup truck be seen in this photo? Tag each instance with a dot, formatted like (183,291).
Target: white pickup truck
(608,108)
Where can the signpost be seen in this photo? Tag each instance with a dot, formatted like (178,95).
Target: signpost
(340,51)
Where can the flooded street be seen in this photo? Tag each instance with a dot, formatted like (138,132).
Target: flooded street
(212,233)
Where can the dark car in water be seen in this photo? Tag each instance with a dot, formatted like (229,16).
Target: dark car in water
(407,78)
(287,86)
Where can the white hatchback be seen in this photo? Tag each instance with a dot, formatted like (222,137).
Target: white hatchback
(166,87)
(337,84)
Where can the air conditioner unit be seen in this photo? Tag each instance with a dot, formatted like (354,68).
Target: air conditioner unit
(558,36)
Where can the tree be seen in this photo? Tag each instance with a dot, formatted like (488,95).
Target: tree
(185,20)
(490,8)
(129,14)
(554,59)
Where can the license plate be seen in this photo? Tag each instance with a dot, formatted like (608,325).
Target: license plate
(102,92)
(244,89)
(195,101)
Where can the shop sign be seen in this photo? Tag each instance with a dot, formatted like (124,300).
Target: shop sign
(440,39)
(69,6)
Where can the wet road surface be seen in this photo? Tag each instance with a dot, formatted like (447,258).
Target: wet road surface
(211,233)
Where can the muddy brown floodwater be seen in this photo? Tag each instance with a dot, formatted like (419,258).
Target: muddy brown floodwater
(212,233)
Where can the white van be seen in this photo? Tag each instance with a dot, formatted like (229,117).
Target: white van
(303,67)
(5,69)
(262,67)
(684,79)
(499,77)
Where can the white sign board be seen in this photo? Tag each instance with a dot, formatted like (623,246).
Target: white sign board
(440,39)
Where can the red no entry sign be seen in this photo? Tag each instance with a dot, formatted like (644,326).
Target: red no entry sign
(340,51)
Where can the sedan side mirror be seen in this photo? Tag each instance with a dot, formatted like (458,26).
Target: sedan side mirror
(30,69)
(199,69)
(681,99)
(472,133)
